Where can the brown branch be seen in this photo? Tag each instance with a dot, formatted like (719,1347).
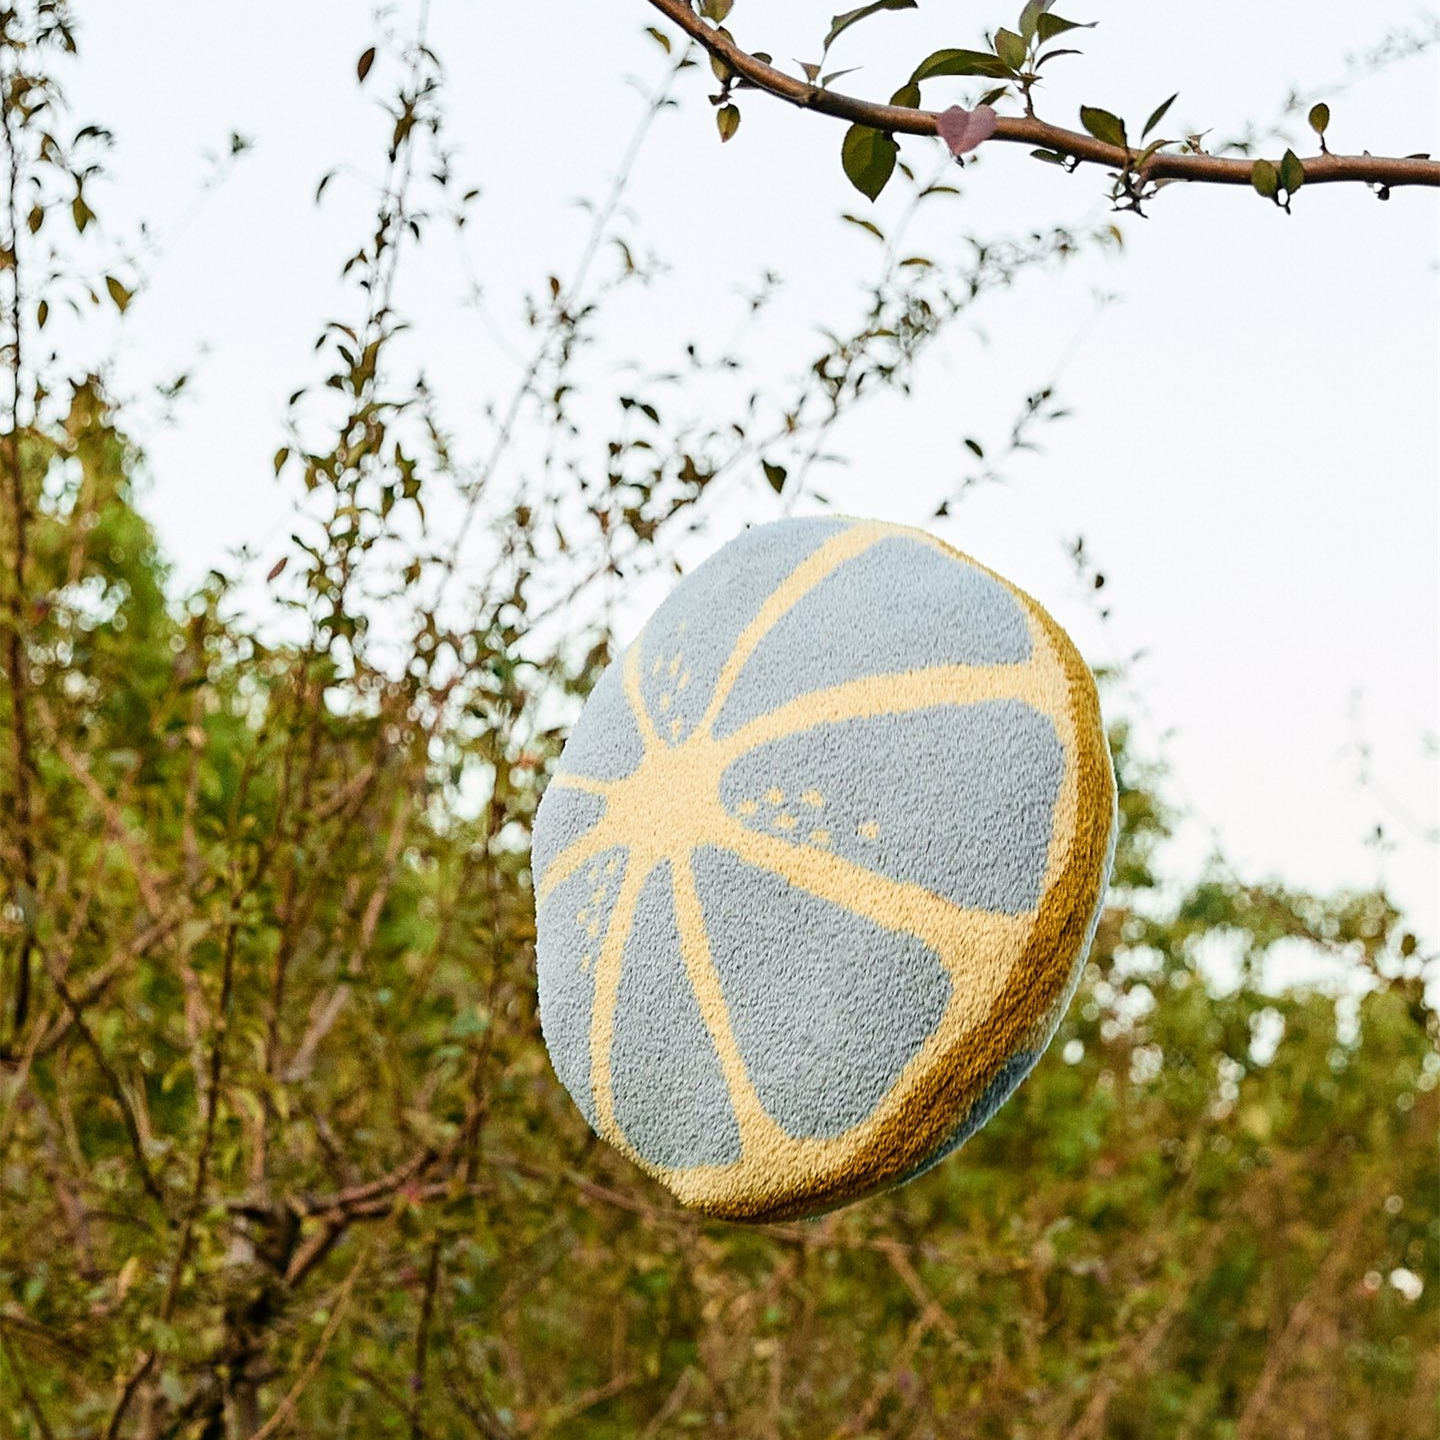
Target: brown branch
(118,830)
(117,1088)
(16,661)
(286,1408)
(1024,130)
(32,1402)
(1324,1284)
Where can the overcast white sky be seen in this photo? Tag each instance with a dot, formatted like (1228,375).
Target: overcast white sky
(1252,455)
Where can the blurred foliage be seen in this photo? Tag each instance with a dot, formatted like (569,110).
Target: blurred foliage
(280,1148)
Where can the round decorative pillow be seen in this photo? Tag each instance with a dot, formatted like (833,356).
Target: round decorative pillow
(819,867)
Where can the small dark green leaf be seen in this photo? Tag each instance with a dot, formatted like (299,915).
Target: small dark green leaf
(1292,172)
(975,447)
(1265,179)
(869,225)
(961,62)
(868,156)
(831,75)
(42,313)
(1051,157)
(1158,114)
(118,293)
(840,23)
(727,121)
(1052,54)
(1103,125)
(659,37)
(907,95)
(991,96)
(716,10)
(281,456)
(1047,27)
(362,67)
(775,474)
(1319,117)
(1010,48)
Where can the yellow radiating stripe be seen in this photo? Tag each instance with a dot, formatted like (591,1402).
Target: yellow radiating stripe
(607,992)
(977,947)
(569,780)
(893,695)
(576,854)
(758,1131)
(648,738)
(566,861)
(849,543)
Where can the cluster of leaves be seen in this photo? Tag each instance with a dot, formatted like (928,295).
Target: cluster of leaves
(280,1148)
(1016,59)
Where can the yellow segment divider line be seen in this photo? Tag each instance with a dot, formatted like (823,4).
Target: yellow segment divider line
(607,992)
(849,543)
(758,1131)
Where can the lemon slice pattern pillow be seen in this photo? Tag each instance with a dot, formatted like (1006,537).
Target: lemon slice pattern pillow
(819,867)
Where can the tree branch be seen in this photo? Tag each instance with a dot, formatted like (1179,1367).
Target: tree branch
(899,119)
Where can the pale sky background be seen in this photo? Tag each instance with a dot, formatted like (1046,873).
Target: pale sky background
(1252,453)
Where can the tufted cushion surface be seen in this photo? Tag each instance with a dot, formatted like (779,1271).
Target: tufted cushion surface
(819,867)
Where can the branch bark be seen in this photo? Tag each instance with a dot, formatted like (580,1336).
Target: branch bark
(1323,169)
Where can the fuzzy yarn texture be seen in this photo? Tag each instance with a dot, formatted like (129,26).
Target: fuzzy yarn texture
(819,867)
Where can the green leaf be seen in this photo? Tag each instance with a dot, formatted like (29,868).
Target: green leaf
(991,96)
(1047,27)
(840,23)
(1104,126)
(659,37)
(907,95)
(727,121)
(1264,177)
(868,156)
(42,313)
(362,66)
(975,448)
(869,225)
(1029,18)
(1050,157)
(775,474)
(716,10)
(118,293)
(1051,55)
(1292,172)
(960,62)
(1010,48)
(1158,114)
(1319,117)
